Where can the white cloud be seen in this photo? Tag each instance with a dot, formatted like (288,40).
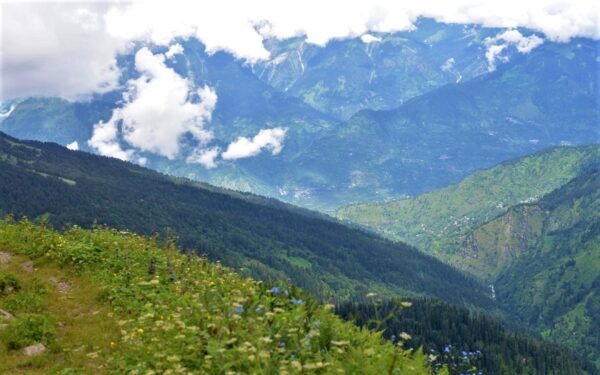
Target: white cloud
(500,42)
(56,49)
(74,146)
(368,38)
(206,157)
(157,112)
(68,49)
(175,49)
(239,27)
(492,53)
(524,44)
(270,139)
(105,139)
(8,112)
(448,65)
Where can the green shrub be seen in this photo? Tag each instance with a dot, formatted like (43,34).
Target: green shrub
(28,329)
(8,283)
(23,303)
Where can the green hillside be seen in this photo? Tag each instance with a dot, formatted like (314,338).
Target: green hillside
(553,281)
(530,228)
(437,221)
(106,301)
(268,239)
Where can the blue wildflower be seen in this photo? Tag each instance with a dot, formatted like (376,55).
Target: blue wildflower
(447,349)
(281,344)
(274,290)
(296,301)
(239,310)
(260,309)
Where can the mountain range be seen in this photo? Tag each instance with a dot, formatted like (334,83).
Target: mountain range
(281,244)
(453,166)
(409,128)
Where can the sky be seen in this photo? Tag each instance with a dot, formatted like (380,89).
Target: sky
(68,49)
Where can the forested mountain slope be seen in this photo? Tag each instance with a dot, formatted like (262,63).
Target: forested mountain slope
(377,71)
(437,221)
(540,256)
(546,98)
(551,275)
(322,256)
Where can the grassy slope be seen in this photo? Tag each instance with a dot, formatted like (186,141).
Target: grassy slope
(435,221)
(132,305)
(81,323)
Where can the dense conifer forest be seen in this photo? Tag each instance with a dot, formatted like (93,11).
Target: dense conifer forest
(460,338)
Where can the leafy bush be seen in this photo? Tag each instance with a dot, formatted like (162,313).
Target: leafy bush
(28,329)
(23,303)
(9,283)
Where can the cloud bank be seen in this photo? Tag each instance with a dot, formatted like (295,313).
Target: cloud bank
(56,49)
(158,109)
(68,49)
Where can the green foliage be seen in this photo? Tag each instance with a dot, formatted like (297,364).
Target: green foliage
(189,314)
(9,283)
(23,303)
(460,340)
(28,329)
(268,239)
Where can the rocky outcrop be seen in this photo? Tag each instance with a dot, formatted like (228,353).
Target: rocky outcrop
(489,249)
(33,350)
